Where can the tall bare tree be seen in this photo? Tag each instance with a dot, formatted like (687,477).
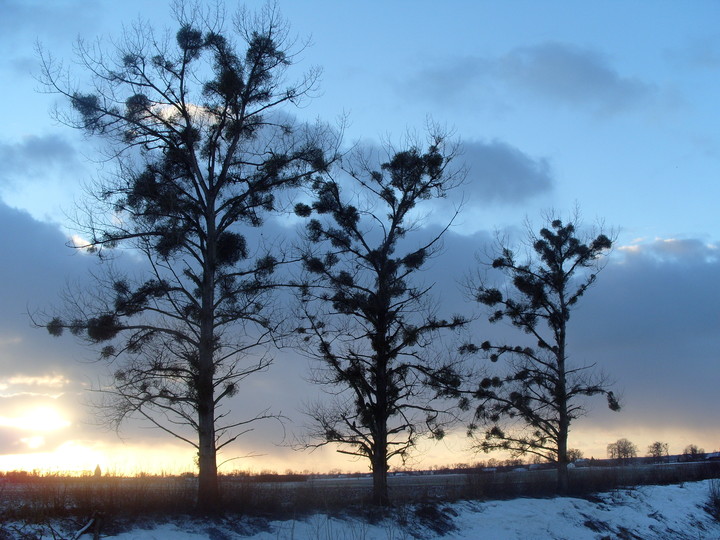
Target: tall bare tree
(195,124)
(370,323)
(530,407)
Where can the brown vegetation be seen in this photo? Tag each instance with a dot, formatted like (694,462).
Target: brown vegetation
(36,498)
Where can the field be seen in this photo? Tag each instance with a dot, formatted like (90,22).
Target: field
(67,502)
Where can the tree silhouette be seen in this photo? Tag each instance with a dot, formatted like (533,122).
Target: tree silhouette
(196,129)
(658,451)
(693,453)
(529,409)
(369,322)
(622,450)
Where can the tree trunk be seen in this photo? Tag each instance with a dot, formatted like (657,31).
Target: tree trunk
(208,497)
(563,480)
(381,496)
(380,483)
(562,399)
(208,501)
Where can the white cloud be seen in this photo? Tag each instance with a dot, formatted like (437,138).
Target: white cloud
(46,381)
(678,250)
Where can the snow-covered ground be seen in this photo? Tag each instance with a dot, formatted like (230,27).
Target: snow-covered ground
(646,512)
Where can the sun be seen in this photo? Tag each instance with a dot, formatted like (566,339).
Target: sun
(40,418)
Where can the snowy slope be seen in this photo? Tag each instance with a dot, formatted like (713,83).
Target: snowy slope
(646,512)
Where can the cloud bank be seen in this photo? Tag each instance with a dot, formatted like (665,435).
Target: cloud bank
(558,73)
(650,322)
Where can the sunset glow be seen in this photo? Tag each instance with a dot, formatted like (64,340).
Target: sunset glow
(36,419)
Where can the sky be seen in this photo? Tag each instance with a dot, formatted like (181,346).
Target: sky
(609,106)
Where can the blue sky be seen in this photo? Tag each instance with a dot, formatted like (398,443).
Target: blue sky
(610,105)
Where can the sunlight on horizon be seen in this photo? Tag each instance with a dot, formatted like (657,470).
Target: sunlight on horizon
(80,457)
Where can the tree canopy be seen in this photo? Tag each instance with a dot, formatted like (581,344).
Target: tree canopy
(529,406)
(369,320)
(198,128)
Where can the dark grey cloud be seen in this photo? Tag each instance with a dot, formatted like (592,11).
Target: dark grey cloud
(37,268)
(37,369)
(560,73)
(37,157)
(499,172)
(496,172)
(571,75)
(652,322)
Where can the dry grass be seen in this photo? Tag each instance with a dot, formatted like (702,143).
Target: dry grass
(40,498)
(713,505)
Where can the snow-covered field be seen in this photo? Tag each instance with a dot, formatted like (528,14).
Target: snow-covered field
(646,512)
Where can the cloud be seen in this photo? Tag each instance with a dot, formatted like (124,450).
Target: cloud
(560,73)
(49,384)
(36,156)
(497,173)
(651,322)
(571,75)
(41,377)
(38,268)
(672,250)
(701,52)
(501,173)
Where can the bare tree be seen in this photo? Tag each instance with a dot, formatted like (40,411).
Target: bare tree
(693,453)
(658,451)
(196,129)
(622,450)
(369,321)
(530,407)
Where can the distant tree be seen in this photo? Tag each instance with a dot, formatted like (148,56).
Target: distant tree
(369,321)
(574,454)
(622,450)
(196,127)
(693,453)
(530,408)
(658,451)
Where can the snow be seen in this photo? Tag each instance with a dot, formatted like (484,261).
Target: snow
(645,512)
